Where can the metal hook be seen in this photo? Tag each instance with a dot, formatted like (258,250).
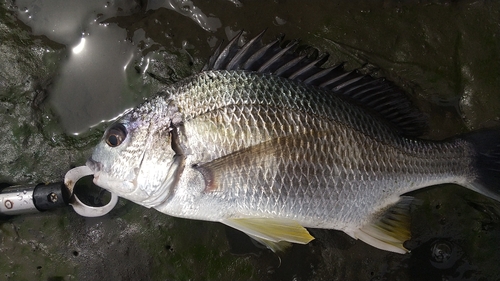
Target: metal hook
(70,179)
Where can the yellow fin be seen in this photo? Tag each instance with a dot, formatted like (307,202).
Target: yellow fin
(274,246)
(271,232)
(389,230)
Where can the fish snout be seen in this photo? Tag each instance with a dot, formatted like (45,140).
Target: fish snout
(94,165)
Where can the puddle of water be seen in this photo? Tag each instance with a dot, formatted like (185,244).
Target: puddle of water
(94,83)
(82,92)
(64,21)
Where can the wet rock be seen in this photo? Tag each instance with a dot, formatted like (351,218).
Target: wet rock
(444,54)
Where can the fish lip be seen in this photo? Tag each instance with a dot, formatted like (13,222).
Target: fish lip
(95,166)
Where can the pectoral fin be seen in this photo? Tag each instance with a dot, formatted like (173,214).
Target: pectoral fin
(390,229)
(272,232)
(253,156)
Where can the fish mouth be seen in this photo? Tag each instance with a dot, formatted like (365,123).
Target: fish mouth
(96,167)
(93,165)
(103,180)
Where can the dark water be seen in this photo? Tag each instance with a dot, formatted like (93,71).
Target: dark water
(67,65)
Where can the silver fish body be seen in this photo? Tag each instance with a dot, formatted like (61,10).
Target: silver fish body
(254,150)
(261,146)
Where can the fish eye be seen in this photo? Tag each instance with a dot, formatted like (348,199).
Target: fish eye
(116,135)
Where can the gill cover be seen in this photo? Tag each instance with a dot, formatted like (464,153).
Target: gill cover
(135,158)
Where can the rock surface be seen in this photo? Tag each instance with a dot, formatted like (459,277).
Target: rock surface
(445,54)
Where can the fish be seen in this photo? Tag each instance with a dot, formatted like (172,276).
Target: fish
(266,140)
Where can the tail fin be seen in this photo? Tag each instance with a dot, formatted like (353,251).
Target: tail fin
(486,145)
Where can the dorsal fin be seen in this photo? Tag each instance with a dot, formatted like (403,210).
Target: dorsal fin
(383,98)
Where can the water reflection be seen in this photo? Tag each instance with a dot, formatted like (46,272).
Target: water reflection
(188,9)
(63,21)
(79,48)
(444,254)
(94,82)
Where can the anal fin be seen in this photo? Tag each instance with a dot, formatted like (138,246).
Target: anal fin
(390,229)
(280,246)
(276,234)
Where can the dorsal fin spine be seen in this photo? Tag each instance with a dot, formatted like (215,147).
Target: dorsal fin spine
(219,63)
(319,75)
(259,54)
(347,83)
(301,64)
(334,80)
(275,58)
(306,68)
(280,71)
(244,50)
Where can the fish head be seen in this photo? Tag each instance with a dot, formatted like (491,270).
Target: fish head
(135,158)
